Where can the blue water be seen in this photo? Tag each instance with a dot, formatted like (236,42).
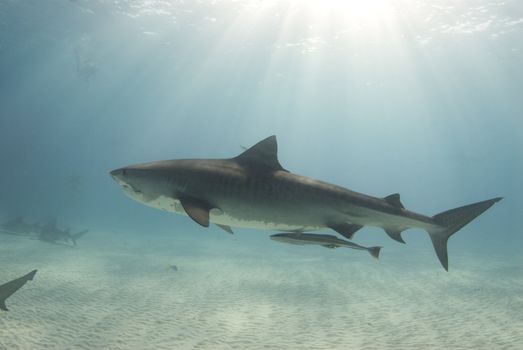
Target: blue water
(423,98)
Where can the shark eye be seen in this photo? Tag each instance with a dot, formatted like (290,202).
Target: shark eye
(124,172)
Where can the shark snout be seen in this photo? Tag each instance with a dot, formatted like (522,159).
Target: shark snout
(118,174)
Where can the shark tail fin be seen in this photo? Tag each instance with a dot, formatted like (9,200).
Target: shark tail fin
(374,251)
(77,236)
(452,221)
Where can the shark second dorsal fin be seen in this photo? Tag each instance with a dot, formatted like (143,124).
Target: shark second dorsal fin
(394,199)
(263,155)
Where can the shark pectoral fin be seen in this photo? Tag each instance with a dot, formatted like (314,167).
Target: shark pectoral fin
(31,275)
(197,209)
(394,199)
(344,229)
(226,228)
(2,305)
(395,234)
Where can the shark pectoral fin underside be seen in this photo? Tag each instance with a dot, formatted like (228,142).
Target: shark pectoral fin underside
(395,235)
(346,230)
(262,156)
(197,209)
(226,228)
(394,199)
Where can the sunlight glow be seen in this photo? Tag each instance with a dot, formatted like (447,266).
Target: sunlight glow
(363,9)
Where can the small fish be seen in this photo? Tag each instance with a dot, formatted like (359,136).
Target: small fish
(327,241)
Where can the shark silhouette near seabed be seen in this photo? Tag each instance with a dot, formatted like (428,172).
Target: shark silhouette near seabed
(51,233)
(254,190)
(7,289)
(19,226)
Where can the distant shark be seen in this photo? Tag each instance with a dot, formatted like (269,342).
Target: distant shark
(51,233)
(254,190)
(7,289)
(327,241)
(20,227)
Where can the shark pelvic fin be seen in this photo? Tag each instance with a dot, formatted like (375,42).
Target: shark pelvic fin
(394,199)
(262,156)
(395,235)
(3,306)
(345,229)
(197,209)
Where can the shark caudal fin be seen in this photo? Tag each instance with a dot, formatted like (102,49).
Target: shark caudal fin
(77,236)
(452,221)
(374,251)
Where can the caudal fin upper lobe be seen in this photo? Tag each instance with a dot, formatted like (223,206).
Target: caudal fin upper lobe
(453,220)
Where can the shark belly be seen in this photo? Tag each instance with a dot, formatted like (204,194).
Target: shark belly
(240,215)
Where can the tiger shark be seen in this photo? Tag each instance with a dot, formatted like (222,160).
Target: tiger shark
(253,190)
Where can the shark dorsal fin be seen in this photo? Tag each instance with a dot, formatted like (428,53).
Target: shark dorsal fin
(263,155)
(394,199)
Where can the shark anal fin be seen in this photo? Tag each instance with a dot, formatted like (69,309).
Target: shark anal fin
(263,156)
(344,229)
(374,252)
(226,228)
(394,199)
(395,235)
(197,209)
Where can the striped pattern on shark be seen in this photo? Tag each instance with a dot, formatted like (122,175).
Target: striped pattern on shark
(254,190)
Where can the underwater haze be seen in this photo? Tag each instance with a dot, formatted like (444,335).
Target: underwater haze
(417,97)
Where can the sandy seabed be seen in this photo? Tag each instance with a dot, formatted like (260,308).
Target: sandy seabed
(114,291)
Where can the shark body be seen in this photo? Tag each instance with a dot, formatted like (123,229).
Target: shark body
(253,190)
(19,226)
(7,289)
(51,233)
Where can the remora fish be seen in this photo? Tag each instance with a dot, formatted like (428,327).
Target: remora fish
(254,190)
(7,289)
(327,241)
